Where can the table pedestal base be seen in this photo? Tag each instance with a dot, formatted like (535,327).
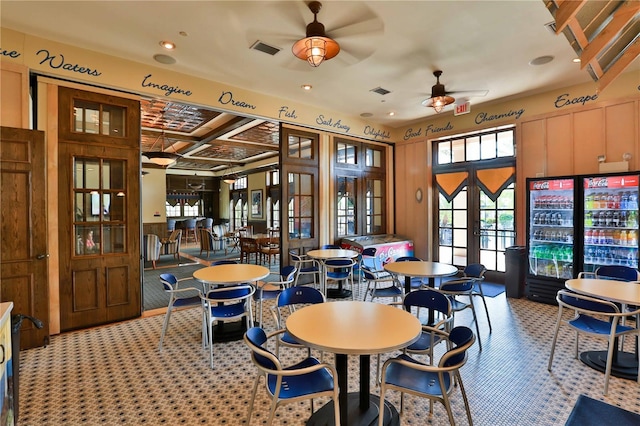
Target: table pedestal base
(326,416)
(338,293)
(229,331)
(624,364)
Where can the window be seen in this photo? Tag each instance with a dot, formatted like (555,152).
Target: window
(96,118)
(300,147)
(360,193)
(346,206)
(496,143)
(300,208)
(183,205)
(99,223)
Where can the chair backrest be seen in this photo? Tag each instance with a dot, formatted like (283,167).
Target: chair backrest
(171,224)
(225,294)
(248,245)
(255,338)
(223,262)
(330,246)
(190,224)
(618,272)
(585,304)
(408,259)
(288,273)
(457,286)
(151,247)
(299,295)
(168,281)
(368,275)
(461,338)
(206,239)
(430,299)
(208,223)
(475,270)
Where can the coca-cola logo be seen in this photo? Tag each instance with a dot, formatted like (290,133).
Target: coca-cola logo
(541,185)
(597,183)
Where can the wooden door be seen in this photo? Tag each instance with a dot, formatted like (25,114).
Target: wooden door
(299,183)
(99,212)
(23,232)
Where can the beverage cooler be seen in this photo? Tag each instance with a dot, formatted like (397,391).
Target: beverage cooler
(551,217)
(610,221)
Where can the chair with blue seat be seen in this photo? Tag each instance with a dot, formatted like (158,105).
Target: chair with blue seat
(435,382)
(457,288)
(307,379)
(287,302)
(380,285)
(269,290)
(339,270)
(305,266)
(475,272)
(416,282)
(171,226)
(225,304)
(186,297)
(594,317)
(330,247)
(617,272)
(191,229)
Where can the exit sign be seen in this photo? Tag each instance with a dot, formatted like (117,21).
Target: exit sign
(464,108)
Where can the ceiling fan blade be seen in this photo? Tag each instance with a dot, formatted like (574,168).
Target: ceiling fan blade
(468,93)
(363,28)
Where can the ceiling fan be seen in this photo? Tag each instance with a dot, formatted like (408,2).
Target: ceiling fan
(350,35)
(440,97)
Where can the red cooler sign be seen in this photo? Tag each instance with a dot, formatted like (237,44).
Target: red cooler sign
(551,185)
(611,182)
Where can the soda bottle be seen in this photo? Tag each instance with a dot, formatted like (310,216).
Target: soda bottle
(602,239)
(624,200)
(596,200)
(588,236)
(633,201)
(632,238)
(608,237)
(611,204)
(623,238)
(616,219)
(588,202)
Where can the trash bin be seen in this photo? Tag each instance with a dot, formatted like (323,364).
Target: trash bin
(516,266)
(16,323)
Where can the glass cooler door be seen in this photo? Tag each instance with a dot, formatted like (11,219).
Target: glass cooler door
(550,222)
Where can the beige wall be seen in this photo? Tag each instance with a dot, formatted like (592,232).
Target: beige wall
(154,195)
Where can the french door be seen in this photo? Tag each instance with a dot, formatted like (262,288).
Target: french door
(475,201)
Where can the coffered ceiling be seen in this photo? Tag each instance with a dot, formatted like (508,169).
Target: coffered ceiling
(389,51)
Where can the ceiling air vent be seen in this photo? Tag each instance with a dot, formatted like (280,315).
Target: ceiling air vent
(551,26)
(263,47)
(380,91)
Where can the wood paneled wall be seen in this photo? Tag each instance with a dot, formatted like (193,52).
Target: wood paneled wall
(14,95)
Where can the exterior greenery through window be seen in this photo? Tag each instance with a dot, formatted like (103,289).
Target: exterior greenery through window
(476,197)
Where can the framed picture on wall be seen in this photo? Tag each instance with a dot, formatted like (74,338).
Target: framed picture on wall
(256,203)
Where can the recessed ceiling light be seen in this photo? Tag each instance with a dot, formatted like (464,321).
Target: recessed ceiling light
(576,60)
(169,45)
(391,113)
(183,33)
(307,86)
(541,60)
(366,114)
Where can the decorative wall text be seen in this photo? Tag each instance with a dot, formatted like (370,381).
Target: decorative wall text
(227,98)
(564,100)
(167,89)
(410,133)
(286,113)
(57,62)
(9,53)
(377,134)
(433,129)
(484,117)
(328,122)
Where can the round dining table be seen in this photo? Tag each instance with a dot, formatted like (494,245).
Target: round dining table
(227,275)
(422,269)
(323,254)
(354,328)
(624,364)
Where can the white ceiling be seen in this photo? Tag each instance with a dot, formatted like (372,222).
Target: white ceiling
(396,45)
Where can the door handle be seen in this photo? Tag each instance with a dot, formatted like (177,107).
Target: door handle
(42,256)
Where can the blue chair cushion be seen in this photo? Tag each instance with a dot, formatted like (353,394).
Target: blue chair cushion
(304,384)
(228,311)
(187,301)
(593,325)
(419,381)
(424,342)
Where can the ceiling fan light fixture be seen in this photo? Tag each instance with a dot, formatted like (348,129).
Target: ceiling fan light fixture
(439,102)
(316,47)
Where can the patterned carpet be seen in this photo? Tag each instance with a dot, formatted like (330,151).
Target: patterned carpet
(115,375)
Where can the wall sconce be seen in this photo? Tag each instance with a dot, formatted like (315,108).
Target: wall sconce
(602,158)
